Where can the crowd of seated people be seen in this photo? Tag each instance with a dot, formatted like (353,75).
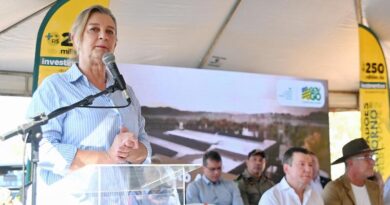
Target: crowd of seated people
(302,184)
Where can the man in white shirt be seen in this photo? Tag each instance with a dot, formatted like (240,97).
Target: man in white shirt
(353,188)
(294,188)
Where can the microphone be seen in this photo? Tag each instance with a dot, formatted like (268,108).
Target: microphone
(18,130)
(9,135)
(26,127)
(109,61)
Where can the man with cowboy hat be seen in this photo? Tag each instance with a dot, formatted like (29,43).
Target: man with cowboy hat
(353,188)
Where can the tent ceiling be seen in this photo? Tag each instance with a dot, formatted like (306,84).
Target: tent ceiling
(303,38)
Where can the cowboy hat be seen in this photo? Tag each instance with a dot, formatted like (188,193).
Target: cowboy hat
(354,147)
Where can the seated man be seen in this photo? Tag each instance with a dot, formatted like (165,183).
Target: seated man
(354,187)
(294,188)
(211,188)
(319,181)
(252,182)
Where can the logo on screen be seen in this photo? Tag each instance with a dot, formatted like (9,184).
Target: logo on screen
(311,94)
(299,93)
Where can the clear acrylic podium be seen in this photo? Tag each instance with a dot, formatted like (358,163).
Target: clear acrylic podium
(122,185)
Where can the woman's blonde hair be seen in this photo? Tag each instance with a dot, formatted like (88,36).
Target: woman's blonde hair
(80,23)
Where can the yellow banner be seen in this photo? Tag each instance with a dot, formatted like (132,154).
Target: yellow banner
(54,45)
(374,98)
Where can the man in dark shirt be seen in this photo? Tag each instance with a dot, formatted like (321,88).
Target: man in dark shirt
(252,182)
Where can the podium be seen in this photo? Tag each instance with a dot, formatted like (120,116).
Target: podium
(121,184)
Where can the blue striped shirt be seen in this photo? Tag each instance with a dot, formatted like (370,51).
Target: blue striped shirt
(80,128)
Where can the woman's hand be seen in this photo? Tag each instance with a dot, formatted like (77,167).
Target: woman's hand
(124,144)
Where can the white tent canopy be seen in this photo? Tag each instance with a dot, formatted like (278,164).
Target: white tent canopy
(313,39)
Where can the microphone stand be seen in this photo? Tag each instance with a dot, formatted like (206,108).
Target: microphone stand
(34,132)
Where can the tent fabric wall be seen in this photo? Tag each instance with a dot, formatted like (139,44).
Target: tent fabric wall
(15,83)
(302,38)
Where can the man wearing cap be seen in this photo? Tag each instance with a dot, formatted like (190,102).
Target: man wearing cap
(353,188)
(252,183)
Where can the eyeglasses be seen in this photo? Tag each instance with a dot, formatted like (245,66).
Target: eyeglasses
(213,169)
(369,157)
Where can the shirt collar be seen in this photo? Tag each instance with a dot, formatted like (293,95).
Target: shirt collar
(74,74)
(207,181)
(247,175)
(317,179)
(285,186)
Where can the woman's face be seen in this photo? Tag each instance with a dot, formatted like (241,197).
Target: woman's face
(99,37)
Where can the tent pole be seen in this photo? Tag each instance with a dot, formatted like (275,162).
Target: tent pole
(232,11)
(27,17)
(359,11)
